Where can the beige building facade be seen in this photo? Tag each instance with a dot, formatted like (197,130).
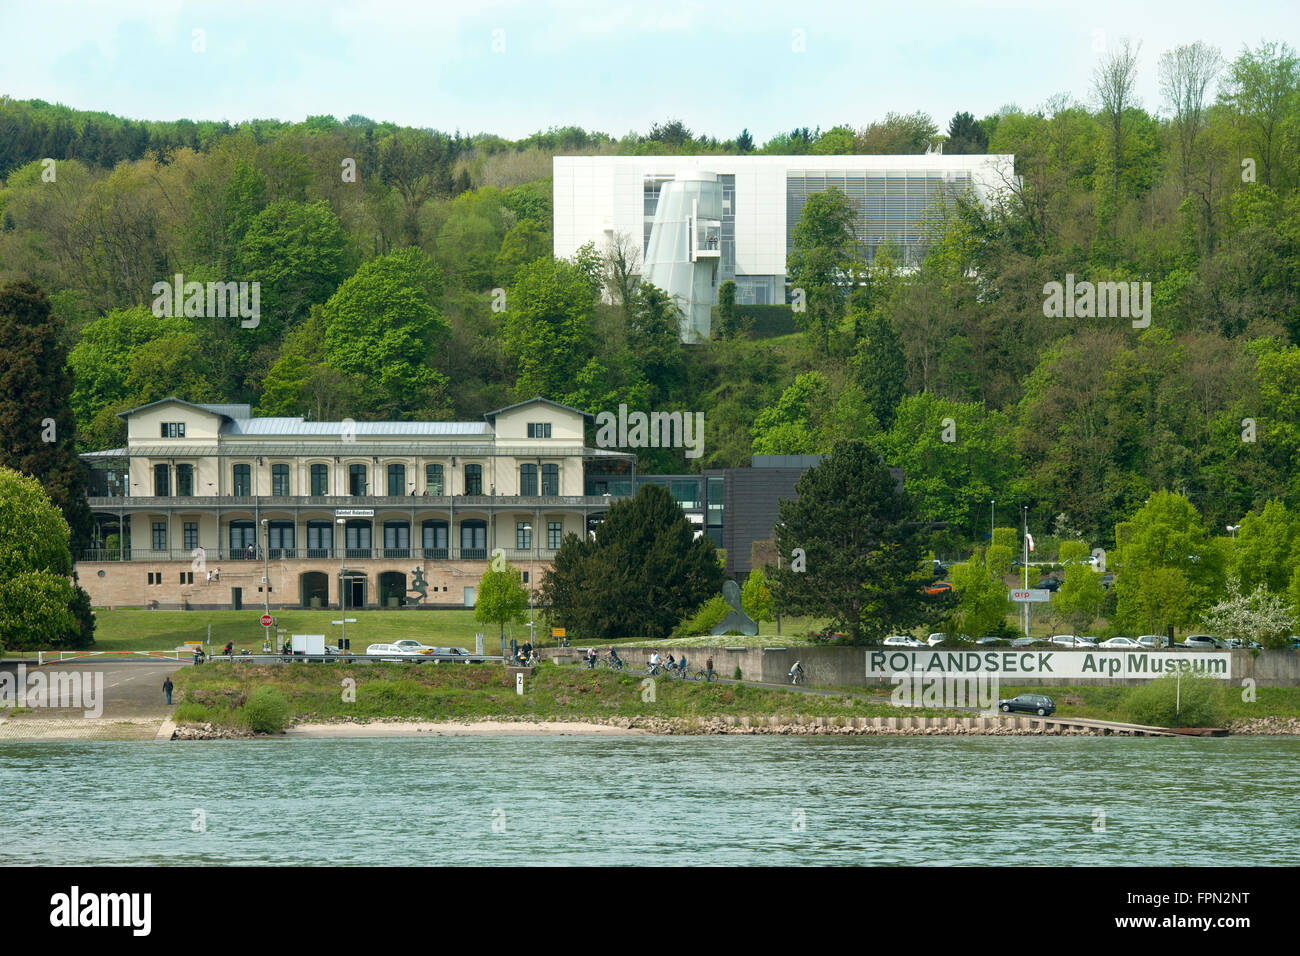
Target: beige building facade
(208,507)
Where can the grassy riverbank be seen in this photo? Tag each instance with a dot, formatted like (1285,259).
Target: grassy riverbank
(1107,703)
(216,692)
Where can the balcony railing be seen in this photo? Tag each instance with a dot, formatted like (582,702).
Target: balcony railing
(436,502)
(235,556)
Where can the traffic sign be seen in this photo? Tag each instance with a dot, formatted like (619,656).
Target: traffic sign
(1031,595)
(266,620)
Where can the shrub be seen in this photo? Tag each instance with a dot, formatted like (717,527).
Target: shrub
(1154,703)
(703,619)
(736,676)
(266,711)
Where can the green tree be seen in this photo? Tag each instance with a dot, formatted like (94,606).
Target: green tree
(298,252)
(1080,596)
(1170,569)
(547,332)
(641,575)
(526,241)
(793,426)
(726,310)
(381,327)
(756,596)
(882,367)
(38,432)
(1261,88)
(965,135)
(502,598)
(1267,548)
(823,260)
(861,545)
(982,600)
(41,605)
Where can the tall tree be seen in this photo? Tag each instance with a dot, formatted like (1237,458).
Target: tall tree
(1113,83)
(38,432)
(965,136)
(823,260)
(641,575)
(1186,72)
(861,549)
(1261,89)
(41,605)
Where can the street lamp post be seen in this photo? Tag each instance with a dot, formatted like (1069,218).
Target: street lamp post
(266,575)
(343,594)
(532,634)
(992,520)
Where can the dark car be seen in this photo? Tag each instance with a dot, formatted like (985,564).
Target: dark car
(1029,704)
(1049,584)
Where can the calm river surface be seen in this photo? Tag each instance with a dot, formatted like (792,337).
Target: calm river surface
(655,800)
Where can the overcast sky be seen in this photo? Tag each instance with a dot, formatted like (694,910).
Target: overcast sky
(512,67)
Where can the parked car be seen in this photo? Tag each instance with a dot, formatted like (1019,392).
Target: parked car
(939,587)
(1065,640)
(1153,640)
(1048,584)
(902,640)
(934,639)
(1238,642)
(1201,642)
(460,653)
(391,652)
(1024,642)
(1108,579)
(1029,704)
(1121,644)
(415,646)
(1085,642)
(991,640)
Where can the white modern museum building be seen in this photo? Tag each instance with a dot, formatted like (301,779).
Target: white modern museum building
(702,220)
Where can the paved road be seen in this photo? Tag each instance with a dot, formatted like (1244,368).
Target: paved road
(131,689)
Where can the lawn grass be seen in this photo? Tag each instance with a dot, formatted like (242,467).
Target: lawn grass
(133,630)
(214,692)
(140,630)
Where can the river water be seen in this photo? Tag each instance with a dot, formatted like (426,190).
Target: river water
(655,800)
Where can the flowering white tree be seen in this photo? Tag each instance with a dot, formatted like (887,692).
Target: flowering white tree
(1259,616)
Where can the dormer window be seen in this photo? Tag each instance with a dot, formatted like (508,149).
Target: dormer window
(173,429)
(539,429)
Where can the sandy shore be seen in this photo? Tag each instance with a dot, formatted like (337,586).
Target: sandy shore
(553,728)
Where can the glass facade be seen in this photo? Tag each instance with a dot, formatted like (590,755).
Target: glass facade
(891,204)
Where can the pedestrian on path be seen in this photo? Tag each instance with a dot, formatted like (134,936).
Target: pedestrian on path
(708,670)
(167,687)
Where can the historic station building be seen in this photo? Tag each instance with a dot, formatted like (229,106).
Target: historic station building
(207,505)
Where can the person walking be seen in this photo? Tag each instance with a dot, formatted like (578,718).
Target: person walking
(167,687)
(708,670)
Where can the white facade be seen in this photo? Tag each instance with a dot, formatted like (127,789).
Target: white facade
(597,197)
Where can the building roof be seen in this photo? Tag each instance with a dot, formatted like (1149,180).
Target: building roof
(491,416)
(210,409)
(298,427)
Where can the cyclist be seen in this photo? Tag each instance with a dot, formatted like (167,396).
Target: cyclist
(591,658)
(796,673)
(671,664)
(682,665)
(614,658)
(654,663)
